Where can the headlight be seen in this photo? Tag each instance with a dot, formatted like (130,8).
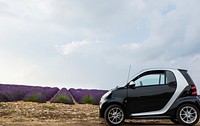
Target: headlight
(103,98)
(105,95)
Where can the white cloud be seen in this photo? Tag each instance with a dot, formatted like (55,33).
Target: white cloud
(132,46)
(73,47)
(141,33)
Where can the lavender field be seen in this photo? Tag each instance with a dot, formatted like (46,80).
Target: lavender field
(12,93)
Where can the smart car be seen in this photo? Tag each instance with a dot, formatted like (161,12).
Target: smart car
(153,94)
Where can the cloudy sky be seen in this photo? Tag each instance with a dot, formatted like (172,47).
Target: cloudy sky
(92,43)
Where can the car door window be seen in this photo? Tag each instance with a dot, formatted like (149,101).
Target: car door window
(150,79)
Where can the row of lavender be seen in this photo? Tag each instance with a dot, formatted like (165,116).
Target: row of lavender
(9,93)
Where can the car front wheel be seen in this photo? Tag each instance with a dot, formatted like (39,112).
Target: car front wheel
(114,115)
(187,114)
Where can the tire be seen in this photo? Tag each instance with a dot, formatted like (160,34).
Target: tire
(174,120)
(114,115)
(187,114)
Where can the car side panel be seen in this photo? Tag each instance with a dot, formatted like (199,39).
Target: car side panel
(181,84)
(150,98)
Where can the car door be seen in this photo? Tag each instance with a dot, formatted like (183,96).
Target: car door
(152,91)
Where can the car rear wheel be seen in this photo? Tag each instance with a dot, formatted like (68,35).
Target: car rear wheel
(187,114)
(114,115)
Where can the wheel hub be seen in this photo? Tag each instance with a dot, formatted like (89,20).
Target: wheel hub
(187,114)
(115,115)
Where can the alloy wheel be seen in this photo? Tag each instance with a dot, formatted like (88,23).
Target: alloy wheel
(188,114)
(115,115)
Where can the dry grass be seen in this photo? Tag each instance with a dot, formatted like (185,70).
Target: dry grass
(56,114)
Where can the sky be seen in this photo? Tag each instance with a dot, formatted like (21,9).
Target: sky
(92,43)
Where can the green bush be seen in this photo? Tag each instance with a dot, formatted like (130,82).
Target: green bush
(62,98)
(88,99)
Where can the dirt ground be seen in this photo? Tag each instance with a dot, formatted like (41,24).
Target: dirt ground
(53,114)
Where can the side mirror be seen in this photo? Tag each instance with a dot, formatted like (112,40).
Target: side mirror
(132,85)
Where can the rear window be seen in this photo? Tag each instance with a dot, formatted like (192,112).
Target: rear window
(187,76)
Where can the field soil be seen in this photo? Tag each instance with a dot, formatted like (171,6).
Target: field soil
(57,114)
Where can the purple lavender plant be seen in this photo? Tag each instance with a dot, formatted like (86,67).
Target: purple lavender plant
(50,92)
(62,96)
(35,96)
(83,96)
(3,98)
(19,92)
(40,94)
(13,92)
